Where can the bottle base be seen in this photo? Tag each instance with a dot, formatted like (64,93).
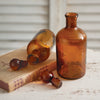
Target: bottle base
(69,78)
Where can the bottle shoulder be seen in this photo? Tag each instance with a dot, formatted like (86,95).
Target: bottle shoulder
(71,33)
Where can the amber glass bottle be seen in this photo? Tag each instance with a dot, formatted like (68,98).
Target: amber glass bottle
(38,49)
(71,49)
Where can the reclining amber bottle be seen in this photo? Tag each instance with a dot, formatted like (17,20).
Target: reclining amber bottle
(71,49)
(38,49)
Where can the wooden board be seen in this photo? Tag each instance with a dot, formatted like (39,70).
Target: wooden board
(11,80)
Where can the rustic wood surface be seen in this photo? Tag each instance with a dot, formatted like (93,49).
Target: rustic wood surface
(86,88)
(11,80)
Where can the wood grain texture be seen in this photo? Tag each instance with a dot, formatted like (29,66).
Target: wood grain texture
(11,80)
(84,2)
(25,3)
(86,88)
(20,20)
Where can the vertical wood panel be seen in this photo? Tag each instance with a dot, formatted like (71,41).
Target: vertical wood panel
(57,10)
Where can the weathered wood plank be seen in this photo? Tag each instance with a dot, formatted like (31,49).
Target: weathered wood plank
(84,9)
(93,35)
(89,18)
(12,45)
(16,36)
(22,27)
(85,88)
(24,19)
(24,10)
(89,26)
(93,44)
(84,2)
(23,2)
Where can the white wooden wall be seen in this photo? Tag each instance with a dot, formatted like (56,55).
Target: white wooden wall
(20,20)
(88,20)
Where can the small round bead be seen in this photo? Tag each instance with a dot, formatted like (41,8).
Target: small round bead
(56,82)
(15,64)
(46,76)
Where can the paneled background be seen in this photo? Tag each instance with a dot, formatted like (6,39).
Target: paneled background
(21,19)
(88,20)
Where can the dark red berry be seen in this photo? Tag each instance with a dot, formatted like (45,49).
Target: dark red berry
(46,76)
(15,64)
(56,82)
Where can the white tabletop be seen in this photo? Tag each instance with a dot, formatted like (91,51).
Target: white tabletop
(86,88)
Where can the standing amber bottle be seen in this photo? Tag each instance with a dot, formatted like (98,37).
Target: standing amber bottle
(38,49)
(71,49)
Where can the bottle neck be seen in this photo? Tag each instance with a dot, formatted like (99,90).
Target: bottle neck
(71,20)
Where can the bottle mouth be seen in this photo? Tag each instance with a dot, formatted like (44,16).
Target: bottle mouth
(71,14)
(33,59)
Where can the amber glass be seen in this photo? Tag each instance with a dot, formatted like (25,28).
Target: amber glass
(38,49)
(71,49)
